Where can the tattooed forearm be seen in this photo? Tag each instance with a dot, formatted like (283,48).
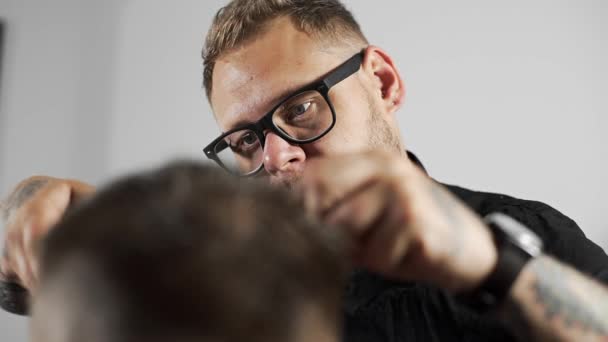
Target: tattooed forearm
(569,298)
(559,303)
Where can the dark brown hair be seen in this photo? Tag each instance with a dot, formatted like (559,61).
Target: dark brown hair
(242,20)
(190,251)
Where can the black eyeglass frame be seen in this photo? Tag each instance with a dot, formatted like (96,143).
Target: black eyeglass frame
(339,74)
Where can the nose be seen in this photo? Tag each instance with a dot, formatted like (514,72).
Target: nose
(282,157)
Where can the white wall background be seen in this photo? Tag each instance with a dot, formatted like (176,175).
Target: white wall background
(502,96)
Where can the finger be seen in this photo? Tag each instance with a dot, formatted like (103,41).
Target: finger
(19,267)
(12,248)
(358,211)
(51,207)
(26,273)
(385,247)
(20,209)
(4,265)
(79,190)
(328,180)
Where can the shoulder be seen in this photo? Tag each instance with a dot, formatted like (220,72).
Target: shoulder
(526,211)
(562,237)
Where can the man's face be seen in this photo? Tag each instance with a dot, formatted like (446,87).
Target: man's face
(251,80)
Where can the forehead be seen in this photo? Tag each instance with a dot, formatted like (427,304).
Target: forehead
(248,81)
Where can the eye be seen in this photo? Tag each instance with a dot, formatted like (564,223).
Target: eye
(299,109)
(248,139)
(244,142)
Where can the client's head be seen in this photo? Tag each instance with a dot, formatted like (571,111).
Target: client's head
(186,253)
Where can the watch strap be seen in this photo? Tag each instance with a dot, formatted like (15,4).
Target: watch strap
(496,287)
(512,257)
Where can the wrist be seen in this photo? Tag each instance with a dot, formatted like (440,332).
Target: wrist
(476,261)
(487,261)
(516,246)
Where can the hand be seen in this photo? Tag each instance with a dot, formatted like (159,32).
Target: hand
(35,205)
(402,223)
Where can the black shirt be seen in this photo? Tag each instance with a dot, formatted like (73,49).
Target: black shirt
(377,309)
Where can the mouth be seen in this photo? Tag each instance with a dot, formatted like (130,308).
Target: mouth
(290,181)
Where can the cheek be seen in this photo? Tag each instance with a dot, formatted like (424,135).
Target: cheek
(349,135)
(351,132)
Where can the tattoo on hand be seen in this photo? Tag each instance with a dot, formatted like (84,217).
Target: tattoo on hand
(20,196)
(14,201)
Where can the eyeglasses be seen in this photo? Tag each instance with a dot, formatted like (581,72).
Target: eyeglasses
(305,116)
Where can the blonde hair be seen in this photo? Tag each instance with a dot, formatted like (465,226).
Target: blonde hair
(242,20)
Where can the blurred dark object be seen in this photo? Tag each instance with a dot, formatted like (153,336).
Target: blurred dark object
(13,298)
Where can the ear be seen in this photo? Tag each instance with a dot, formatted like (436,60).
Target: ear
(387,82)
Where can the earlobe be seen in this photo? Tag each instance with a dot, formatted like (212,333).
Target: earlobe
(387,81)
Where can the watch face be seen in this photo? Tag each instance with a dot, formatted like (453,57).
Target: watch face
(516,233)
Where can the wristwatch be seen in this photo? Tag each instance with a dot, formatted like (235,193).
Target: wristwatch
(516,245)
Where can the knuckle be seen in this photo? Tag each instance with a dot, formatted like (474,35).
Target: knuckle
(61,186)
(422,244)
